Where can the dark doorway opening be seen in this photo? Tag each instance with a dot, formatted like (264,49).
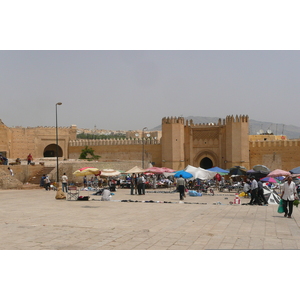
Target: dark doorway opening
(206,163)
(50,151)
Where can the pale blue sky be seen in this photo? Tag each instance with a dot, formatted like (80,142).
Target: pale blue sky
(133,89)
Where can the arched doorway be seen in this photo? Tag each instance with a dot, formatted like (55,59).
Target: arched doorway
(206,159)
(206,163)
(50,151)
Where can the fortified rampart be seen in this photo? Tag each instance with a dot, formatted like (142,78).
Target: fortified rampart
(121,149)
(223,144)
(18,142)
(275,154)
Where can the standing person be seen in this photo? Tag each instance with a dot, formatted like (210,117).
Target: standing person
(64,180)
(84,181)
(254,191)
(132,183)
(42,182)
(47,183)
(11,171)
(154,182)
(289,194)
(29,159)
(181,187)
(246,188)
(144,184)
(4,160)
(218,179)
(140,184)
(136,184)
(261,192)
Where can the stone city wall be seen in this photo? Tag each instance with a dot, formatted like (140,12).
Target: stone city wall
(22,172)
(118,150)
(275,154)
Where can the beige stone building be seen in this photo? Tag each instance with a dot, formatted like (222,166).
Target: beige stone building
(224,144)
(18,142)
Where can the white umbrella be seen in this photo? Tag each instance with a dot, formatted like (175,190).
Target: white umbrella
(200,173)
(109,173)
(271,196)
(136,170)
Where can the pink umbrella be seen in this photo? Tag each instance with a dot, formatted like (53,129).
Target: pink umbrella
(278,172)
(270,179)
(155,170)
(168,170)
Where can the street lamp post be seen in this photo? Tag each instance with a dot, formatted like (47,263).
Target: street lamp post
(143,154)
(57,175)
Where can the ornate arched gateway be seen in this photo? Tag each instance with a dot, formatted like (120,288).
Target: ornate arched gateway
(206,159)
(50,151)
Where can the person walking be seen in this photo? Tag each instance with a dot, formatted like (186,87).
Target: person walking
(254,192)
(11,171)
(260,192)
(288,195)
(29,159)
(181,186)
(64,180)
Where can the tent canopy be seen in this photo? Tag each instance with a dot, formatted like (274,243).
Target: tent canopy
(218,170)
(200,173)
(136,170)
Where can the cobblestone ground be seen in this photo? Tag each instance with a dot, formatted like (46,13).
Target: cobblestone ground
(34,219)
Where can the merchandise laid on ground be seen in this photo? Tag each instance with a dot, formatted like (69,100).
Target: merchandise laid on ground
(158,220)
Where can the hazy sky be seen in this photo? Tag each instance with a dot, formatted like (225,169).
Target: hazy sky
(133,89)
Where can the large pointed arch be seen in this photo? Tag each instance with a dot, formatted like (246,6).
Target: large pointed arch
(206,159)
(50,151)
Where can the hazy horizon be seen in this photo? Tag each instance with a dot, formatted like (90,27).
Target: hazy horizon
(129,90)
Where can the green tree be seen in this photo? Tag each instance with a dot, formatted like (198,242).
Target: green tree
(88,151)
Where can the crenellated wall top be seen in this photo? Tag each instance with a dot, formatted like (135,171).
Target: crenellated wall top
(275,143)
(227,120)
(191,123)
(237,119)
(101,142)
(173,120)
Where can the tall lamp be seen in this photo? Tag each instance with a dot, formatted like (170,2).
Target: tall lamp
(143,137)
(57,175)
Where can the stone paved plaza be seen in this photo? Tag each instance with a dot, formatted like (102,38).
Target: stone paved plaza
(34,219)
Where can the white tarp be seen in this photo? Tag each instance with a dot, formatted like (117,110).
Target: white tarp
(200,173)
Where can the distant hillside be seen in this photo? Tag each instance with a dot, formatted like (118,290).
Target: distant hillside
(292,132)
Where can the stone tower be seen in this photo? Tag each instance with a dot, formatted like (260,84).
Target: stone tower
(237,141)
(173,143)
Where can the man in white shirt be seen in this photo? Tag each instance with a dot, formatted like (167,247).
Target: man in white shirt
(11,171)
(254,192)
(180,186)
(289,194)
(64,180)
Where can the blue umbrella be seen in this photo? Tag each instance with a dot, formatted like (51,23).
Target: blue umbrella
(184,174)
(218,170)
(295,170)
